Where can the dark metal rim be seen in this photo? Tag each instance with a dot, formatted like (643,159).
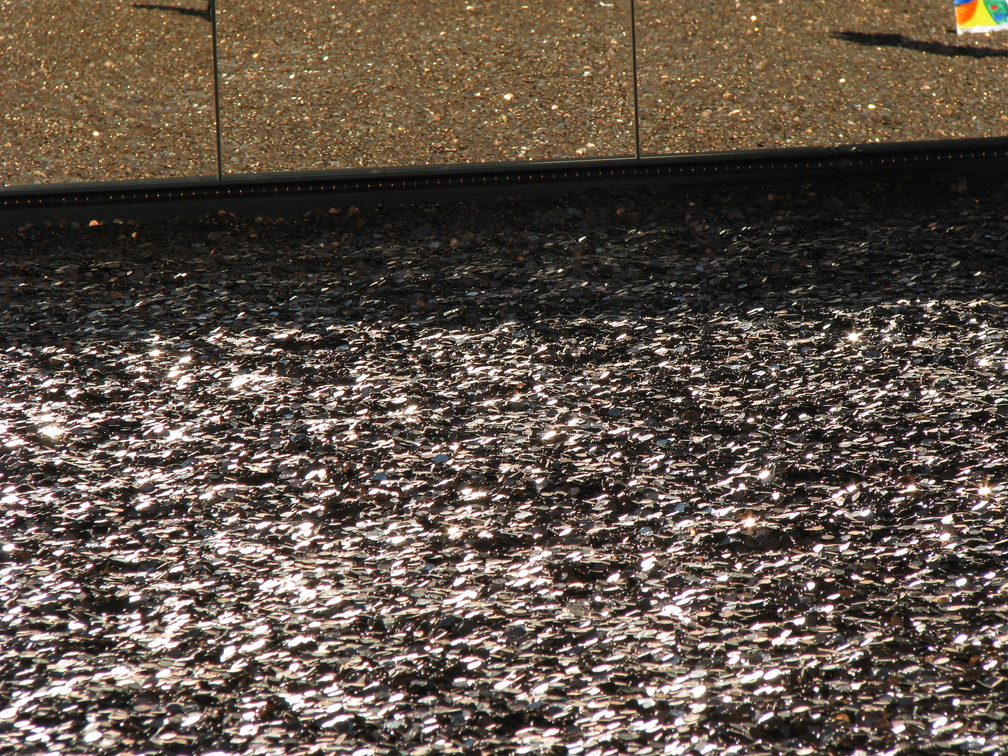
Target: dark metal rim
(684,171)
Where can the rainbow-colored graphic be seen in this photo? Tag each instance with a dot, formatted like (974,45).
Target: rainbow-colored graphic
(981,15)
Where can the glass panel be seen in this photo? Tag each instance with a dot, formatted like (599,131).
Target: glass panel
(102,91)
(322,84)
(746,74)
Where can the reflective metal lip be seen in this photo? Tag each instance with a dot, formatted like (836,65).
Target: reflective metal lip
(305,191)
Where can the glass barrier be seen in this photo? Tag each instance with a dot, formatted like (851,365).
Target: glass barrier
(324,84)
(105,91)
(751,74)
(110,91)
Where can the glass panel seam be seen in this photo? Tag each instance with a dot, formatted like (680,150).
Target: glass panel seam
(212,4)
(633,64)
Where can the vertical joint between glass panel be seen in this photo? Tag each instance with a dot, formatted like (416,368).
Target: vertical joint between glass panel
(633,63)
(216,87)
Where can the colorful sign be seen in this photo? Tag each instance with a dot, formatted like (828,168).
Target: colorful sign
(981,15)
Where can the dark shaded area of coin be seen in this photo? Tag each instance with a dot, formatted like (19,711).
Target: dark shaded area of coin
(722,473)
